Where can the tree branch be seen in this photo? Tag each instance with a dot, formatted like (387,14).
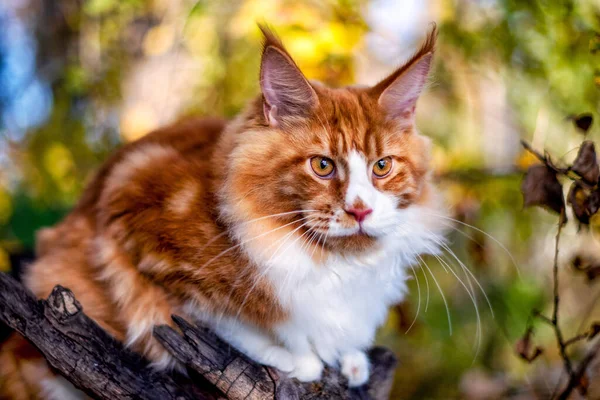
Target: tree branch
(76,347)
(240,378)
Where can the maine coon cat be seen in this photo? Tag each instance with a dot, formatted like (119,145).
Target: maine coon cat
(289,230)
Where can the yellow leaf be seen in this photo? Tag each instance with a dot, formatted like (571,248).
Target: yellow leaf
(526,160)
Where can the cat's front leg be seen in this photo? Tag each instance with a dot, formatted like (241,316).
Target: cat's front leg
(307,364)
(307,367)
(254,343)
(356,367)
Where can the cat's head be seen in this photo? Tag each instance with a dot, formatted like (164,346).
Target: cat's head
(341,168)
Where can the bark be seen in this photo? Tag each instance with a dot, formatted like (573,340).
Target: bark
(77,348)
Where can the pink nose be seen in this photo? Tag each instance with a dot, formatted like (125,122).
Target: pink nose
(359,214)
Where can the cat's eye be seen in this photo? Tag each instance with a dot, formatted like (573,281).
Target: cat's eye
(382,167)
(322,166)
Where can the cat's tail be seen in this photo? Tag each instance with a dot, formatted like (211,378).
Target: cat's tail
(22,370)
(25,374)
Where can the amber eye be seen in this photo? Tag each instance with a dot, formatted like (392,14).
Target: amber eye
(322,166)
(382,167)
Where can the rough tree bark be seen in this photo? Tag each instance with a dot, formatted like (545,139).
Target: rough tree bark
(76,347)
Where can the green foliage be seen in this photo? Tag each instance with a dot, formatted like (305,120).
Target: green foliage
(504,69)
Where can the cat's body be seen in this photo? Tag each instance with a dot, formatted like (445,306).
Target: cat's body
(238,225)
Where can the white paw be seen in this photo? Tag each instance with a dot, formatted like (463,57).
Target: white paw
(307,368)
(355,367)
(278,357)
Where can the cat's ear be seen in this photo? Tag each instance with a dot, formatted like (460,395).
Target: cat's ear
(398,93)
(285,90)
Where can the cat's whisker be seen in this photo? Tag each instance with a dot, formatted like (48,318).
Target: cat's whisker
(316,245)
(468,271)
(225,305)
(307,242)
(286,237)
(439,242)
(324,240)
(289,272)
(253,221)
(441,293)
(467,286)
(428,290)
(250,240)
(266,271)
(482,232)
(419,301)
(424,275)
(471,293)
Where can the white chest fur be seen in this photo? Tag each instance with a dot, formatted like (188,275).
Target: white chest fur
(338,306)
(334,307)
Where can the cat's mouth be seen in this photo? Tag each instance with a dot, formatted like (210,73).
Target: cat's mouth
(362,232)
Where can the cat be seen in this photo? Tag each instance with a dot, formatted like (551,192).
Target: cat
(289,230)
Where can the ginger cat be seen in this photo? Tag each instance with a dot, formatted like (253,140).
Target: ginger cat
(289,230)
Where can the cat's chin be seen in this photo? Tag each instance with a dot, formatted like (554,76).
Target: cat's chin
(357,242)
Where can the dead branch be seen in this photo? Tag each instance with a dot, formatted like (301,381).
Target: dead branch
(77,348)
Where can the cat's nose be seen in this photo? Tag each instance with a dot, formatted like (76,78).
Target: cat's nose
(359,214)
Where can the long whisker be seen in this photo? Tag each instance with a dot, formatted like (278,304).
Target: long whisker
(471,294)
(286,237)
(419,302)
(468,271)
(234,286)
(441,293)
(484,233)
(428,290)
(253,221)
(262,275)
(289,272)
(324,240)
(250,240)
(316,246)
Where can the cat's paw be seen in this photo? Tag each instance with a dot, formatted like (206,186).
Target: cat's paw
(355,367)
(307,368)
(278,357)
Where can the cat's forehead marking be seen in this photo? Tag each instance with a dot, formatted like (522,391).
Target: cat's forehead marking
(347,117)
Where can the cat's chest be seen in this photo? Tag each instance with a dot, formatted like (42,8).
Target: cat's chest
(345,287)
(343,291)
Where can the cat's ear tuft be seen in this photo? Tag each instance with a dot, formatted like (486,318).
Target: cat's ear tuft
(285,90)
(398,93)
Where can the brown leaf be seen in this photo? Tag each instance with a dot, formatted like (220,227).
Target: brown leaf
(523,347)
(585,202)
(586,163)
(540,187)
(583,122)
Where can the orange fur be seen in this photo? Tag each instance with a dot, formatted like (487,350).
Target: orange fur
(152,231)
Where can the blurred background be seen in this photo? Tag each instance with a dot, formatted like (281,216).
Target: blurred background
(80,77)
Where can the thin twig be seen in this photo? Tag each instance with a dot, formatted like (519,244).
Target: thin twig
(576,339)
(576,377)
(558,333)
(533,151)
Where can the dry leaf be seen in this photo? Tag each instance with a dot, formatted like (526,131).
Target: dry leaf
(523,348)
(540,187)
(584,202)
(586,164)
